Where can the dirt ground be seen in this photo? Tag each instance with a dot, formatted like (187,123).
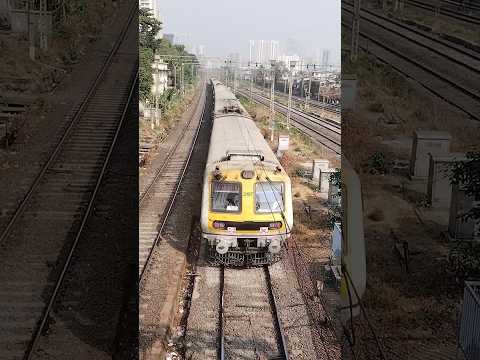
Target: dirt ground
(67,44)
(422,304)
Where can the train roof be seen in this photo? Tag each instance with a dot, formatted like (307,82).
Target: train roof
(239,137)
(225,100)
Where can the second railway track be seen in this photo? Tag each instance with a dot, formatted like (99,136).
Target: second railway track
(326,133)
(158,197)
(41,237)
(443,68)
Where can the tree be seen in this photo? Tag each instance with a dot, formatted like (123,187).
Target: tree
(464,257)
(467,174)
(148,45)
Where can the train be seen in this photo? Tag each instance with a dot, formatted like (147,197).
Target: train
(246,213)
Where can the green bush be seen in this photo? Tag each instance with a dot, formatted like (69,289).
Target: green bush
(464,259)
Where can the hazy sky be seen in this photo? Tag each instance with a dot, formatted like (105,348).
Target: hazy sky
(226,26)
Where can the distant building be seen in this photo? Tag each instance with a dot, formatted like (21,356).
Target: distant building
(160,76)
(201,50)
(262,51)
(169,37)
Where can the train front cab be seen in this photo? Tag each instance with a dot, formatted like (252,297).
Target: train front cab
(353,244)
(247,217)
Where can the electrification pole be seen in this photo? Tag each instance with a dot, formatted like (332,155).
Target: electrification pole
(234,80)
(355,30)
(290,88)
(307,97)
(272,100)
(251,83)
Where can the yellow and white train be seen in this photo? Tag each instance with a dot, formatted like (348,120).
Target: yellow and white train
(247,199)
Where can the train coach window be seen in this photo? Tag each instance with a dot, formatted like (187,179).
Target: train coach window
(268,197)
(226,196)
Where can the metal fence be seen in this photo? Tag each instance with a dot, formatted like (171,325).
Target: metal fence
(360,338)
(469,332)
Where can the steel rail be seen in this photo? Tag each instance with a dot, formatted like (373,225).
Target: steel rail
(159,171)
(59,281)
(175,194)
(221,316)
(335,109)
(336,148)
(447,12)
(73,122)
(278,323)
(458,3)
(463,51)
(474,115)
(336,127)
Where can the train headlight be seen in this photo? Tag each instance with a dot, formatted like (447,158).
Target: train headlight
(222,247)
(248,174)
(274,247)
(275,225)
(218,225)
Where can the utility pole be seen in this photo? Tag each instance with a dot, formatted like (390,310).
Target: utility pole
(183,79)
(307,97)
(251,83)
(272,99)
(174,77)
(31,38)
(42,24)
(290,88)
(234,80)
(355,30)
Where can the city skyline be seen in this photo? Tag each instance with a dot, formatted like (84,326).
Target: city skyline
(232,34)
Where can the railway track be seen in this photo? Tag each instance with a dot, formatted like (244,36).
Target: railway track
(40,239)
(249,323)
(325,132)
(160,194)
(163,274)
(449,71)
(335,109)
(448,11)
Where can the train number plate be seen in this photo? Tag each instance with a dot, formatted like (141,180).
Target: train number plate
(231,230)
(264,230)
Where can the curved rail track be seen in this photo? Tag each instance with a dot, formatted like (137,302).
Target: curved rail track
(323,131)
(160,194)
(449,71)
(249,322)
(40,239)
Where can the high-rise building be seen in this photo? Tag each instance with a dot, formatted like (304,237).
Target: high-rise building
(262,51)
(325,58)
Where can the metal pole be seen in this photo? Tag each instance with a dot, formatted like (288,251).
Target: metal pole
(272,103)
(290,88)
(175,77)
(307,98)
(183,79)
(251,85)
(234,80)
(31,38)
(355,30)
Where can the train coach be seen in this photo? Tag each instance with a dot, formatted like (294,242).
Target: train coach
(247,211)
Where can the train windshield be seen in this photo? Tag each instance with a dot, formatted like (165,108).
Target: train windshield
(226,196)
(268,197)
